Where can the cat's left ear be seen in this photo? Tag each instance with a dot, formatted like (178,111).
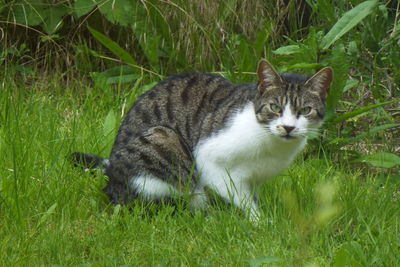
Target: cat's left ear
(321,81)
(268,78)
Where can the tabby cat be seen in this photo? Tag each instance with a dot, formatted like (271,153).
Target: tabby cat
(198,132)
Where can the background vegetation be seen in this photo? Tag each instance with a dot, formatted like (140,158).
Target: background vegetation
(69,70)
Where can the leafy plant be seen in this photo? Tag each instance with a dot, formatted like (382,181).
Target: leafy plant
(331,49)
(348,21)
(381,159)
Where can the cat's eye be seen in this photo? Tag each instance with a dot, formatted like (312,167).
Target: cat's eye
(275,108)
(305,111)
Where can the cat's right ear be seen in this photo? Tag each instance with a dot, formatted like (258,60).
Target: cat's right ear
(268,78)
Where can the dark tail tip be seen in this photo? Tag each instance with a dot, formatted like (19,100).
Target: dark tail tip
(87,161)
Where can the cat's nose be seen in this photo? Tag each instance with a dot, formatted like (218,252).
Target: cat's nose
(288,128)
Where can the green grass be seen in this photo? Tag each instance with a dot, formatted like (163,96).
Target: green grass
(323,211)
(317,213)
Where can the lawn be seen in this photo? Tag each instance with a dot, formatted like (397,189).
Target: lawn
(70,70)
(319,212)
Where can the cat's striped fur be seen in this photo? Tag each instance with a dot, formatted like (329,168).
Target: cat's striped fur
(199,130)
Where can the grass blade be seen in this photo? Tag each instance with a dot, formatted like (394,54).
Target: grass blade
(354,113)
(343,141)
(347,22)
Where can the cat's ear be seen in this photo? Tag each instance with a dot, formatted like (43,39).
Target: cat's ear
(268,78)
(321,81)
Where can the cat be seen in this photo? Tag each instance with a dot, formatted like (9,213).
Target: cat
(197,132)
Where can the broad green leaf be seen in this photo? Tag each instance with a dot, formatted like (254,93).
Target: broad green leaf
(288,50)
(262,36)
(350,84)
(29,14)
(345,258)
(151,49)
(347,22)
(115,75)
(147,87)
(123,78)
(116,212)
(350,254)
(112,46)
(339,61)
(82,7)
(341,258)
(54,18)
(261,261)
(381,159)
(357,112)
(122,12)
(109,123)
(384,11)
(109,127)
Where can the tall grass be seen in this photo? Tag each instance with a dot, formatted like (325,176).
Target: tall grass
(316,213)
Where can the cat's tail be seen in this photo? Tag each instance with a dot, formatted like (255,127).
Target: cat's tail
(89,161)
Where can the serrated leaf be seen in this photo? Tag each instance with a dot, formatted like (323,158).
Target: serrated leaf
(349,20)
(381,159)
(112,46)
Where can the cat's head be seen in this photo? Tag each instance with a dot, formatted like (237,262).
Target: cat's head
(291,105)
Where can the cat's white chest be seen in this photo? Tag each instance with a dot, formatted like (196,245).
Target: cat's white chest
(244,151)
